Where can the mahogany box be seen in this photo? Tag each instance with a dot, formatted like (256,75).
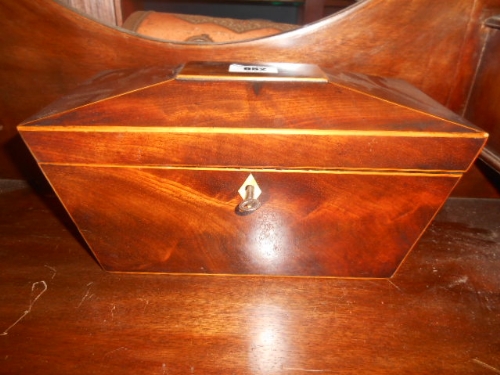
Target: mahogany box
(268,169)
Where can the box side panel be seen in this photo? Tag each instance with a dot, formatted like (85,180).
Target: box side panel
(208,148)
(310,224)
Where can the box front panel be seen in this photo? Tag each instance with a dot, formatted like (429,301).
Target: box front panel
(309,224)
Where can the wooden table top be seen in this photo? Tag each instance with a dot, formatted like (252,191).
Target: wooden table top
(60,313)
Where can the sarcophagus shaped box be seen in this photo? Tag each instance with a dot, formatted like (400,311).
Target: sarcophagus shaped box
(274,169)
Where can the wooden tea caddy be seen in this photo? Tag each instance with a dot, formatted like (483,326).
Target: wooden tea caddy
(345,171)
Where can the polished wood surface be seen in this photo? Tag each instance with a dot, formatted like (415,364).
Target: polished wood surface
(151,178)
(484,104)
(67,49)
(310,224)
(60,313)
(144,118)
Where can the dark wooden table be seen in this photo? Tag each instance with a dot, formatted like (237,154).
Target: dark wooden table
(61,314)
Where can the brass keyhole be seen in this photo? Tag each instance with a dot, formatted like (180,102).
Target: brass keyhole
(250,204)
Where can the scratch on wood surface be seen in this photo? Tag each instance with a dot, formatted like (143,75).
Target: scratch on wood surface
(484,300)
(32,302)
(146,303)
(115,350)
(86,296)
(459,281)
(53,270)
(485,365)
(303,369)
(394,285)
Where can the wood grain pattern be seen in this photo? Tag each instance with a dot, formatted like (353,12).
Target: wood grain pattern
(353,121)
(344,151)
(37,68)
(484,104)
(162,196)
(439,314)
(310,224)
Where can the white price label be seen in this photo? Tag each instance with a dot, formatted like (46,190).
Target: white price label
(237,68)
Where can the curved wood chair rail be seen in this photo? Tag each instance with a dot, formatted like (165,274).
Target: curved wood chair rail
(47,49)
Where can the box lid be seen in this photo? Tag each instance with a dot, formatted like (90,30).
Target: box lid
(269,115)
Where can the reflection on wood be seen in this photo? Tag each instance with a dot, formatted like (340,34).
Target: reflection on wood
(152,183)
(438,315)
(423,44)
(484,103)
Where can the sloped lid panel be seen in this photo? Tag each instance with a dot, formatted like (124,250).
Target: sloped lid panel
(107,84)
